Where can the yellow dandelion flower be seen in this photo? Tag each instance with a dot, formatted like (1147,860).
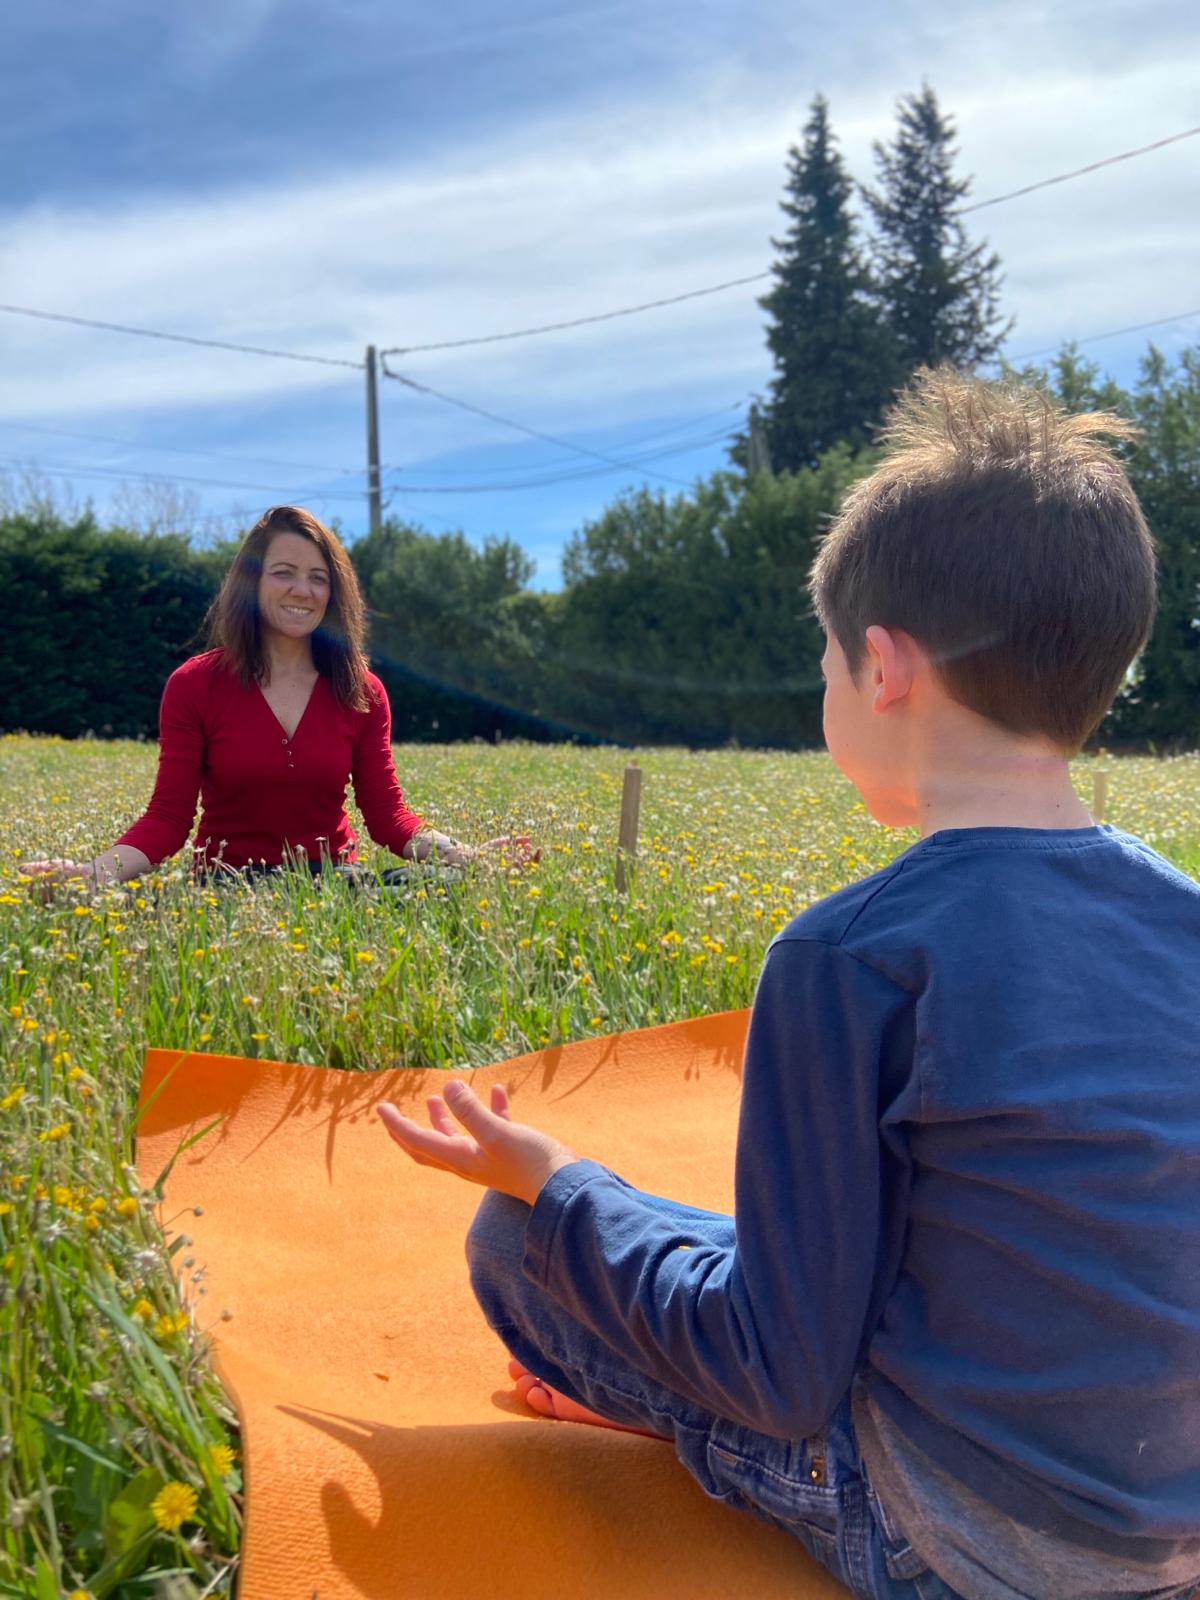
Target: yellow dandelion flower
(221,1456)
(11,1099)
(170,1324)
(364,955)
(82,911)
(30,1024)
(8,1262)
(260,1036)
(141,1311)
(5,1207)
(98,1204)
(175,1503)
(91,1223)
(60,1130)
(127,1207)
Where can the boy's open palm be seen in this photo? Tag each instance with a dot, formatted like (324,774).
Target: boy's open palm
(484,1146)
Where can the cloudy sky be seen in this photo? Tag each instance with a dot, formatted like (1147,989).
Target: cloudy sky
(314,178)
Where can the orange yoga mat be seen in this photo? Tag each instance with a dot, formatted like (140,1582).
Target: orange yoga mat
(385,1454)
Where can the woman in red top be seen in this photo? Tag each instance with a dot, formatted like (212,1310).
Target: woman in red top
(268,726)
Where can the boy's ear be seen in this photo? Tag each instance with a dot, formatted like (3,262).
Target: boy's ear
(892,662)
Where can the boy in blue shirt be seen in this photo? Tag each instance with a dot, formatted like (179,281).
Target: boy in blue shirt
(950,1339)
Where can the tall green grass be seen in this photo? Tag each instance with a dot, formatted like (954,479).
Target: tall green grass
(119,1472)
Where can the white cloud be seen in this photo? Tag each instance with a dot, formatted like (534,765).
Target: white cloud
(614,205)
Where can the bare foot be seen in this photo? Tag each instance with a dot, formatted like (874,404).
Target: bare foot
(548,1402)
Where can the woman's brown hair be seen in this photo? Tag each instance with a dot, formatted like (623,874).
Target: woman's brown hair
(1004,537)
(235,625)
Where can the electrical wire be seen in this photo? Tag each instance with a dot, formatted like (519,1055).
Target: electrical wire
(576,322)
(180,449)
(575,476)
(1094,166)
(520,427)
(180,338)
(74,470)
(527,467)
(554,327)
(1113,333)
(756,277)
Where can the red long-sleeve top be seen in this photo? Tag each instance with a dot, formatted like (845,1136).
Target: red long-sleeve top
(262,792)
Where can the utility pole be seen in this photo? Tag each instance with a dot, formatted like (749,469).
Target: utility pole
(758,454)
(373,494)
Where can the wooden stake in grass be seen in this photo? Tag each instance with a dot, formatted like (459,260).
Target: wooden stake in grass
(1099,795)
(631,802)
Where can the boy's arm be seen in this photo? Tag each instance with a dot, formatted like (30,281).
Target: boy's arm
(766,1334)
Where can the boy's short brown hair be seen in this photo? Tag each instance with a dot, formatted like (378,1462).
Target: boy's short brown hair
(1006,539)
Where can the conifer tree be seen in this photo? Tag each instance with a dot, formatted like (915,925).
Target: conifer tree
(939,292)
(832,360)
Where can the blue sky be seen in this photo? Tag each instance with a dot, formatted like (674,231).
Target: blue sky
(314,178)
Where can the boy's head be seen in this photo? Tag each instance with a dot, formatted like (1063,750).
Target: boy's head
(1000,545)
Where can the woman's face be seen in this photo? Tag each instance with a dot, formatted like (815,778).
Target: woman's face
(293,592)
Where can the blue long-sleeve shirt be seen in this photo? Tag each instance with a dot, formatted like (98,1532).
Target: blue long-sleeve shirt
(968,1169)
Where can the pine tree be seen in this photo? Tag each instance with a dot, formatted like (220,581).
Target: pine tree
(939,292)
(830,348)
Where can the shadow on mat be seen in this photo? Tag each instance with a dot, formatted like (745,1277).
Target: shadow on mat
(539,1511)
(187,1090)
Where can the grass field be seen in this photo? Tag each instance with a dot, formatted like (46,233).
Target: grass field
(119,1466)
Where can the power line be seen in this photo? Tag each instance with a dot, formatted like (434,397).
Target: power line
(553,327)
(75,470)
(1113,333)
(1063,177)
(527,467)
(577,476)
(179,338)
(520,427)
(756,277)
(576,322)
(179,449)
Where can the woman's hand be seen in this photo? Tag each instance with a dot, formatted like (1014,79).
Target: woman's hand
(47,875)
(510,850)
(489,1148)
(517,848)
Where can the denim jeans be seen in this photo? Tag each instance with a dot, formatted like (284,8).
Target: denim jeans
(815,1489)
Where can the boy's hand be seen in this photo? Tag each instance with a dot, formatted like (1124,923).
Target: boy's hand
(488,1148)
